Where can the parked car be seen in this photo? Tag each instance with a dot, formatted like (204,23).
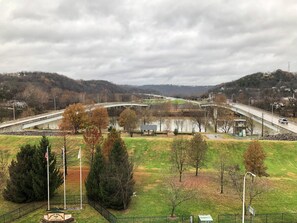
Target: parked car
(283,121)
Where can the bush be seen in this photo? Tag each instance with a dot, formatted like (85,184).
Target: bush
(175,132)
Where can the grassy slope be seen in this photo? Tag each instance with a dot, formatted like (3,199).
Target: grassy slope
(151,158)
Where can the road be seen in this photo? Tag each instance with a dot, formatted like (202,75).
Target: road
(267,116)
(29,122)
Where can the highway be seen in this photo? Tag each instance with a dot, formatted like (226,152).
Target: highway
(271,121)
(257,113)
(29,122)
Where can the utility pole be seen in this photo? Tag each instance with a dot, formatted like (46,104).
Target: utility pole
(13,110)
(55,105)
(262,134)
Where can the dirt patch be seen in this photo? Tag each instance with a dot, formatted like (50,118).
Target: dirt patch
(74,174)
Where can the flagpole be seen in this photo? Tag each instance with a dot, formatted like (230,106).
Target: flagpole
(64,178)
(48,188)
(80,178)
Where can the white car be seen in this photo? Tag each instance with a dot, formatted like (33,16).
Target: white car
(283,121)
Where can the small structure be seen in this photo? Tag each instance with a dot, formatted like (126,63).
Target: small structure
(57,217)
(239,127)
(205,219)
(148,129)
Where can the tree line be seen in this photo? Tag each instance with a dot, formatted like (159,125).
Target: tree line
(186,153)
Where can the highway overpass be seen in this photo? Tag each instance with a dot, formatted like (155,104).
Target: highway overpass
(55,116)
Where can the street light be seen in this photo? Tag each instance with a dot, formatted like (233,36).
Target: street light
(243,193)
(272,106)
(232,98)
(250,101)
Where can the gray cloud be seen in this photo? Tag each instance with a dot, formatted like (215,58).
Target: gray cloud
(149,42)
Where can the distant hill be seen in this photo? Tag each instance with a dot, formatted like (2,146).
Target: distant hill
(43,91)
(261,89)
(278,81)
(17,82)
(177,90)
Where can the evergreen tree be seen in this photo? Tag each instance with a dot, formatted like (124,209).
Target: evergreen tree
(120,182)
(19,186)
(28,174)
(94,182)
(39,171)
(110,180)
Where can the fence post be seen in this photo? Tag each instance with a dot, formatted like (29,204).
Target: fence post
(266,218)
(282,217)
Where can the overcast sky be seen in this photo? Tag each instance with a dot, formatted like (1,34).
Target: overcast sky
(189,42)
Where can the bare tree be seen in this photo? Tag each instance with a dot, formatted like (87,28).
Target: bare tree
(224,162)
(254,187)
(225,120)
(199,119)
(167,125)
(250,125)
(146,115)
(179,149)
(176,193)
(179,123)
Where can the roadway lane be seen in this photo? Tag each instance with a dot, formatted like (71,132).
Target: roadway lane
(267,116)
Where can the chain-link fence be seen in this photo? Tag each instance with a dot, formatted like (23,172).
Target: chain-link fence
(259,218)
(104,212)
(158,219)
(20,212)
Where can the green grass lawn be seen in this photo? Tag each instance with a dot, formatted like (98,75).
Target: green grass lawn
(151,158)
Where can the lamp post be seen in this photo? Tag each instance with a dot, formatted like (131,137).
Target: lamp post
(250,103)
(243,193)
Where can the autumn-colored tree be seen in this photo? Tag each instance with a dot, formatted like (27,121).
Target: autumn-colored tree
(100,118)
(91,138)
(179,150)
(74,118)
(197,152)
(254,158)
(110,180)
(3,169)
(109,142)
(128,120)
(220,98)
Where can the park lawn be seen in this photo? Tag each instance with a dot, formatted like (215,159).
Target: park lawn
(151,157)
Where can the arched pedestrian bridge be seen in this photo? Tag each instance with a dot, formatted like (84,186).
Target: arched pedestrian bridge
(52,117)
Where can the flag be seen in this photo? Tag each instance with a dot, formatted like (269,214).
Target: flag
(79,154)
(46,155)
